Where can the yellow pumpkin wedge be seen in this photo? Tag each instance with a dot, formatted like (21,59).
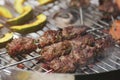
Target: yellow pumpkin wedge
(1,25)
(5,39)
(38,24)
(43,2)
(18,5)
(5,12)
(23,18)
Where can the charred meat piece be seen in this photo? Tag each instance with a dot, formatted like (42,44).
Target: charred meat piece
(108,7)
(83,41)
(65,47)
(79,3)
(56,50)
(49,37)
(72,32)
(103,44)
(63,64)
(83,56)
(21,46)
(80,55)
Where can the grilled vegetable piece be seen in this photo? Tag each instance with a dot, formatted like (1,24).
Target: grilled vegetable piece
(5,12)
(1,25)
(115,30)
(23,18)
(6,38)
(66,17)
(18,5)
(21,46)
(43,2)
(41,19)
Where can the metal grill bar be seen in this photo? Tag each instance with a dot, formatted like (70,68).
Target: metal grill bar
(108,65)
(96,71)
(19,62)
(102,68)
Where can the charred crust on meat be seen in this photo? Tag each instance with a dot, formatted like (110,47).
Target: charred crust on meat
(108,7)
(21,46)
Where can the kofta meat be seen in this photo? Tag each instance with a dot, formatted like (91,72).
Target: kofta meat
(109,7)
(63,64)
(21,46)
(56,50)
(63,48)
(51,36)
(78,57)
(82,56)
(72,49)
(79,3)
(83,52)
(72,32)
(83,40)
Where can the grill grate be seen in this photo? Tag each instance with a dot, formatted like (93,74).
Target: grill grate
(30,62)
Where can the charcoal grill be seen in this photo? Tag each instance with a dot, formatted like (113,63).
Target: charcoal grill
(109,64)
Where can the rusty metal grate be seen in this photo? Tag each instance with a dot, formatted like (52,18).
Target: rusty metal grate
(30,62)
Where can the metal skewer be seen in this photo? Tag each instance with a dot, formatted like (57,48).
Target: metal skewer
(113,20)
(81,16)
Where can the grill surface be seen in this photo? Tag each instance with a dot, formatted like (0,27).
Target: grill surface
(108,64)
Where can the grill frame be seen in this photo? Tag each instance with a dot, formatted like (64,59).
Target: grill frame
(86,70)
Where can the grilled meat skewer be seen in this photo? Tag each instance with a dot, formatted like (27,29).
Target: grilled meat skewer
(84,52)
(79,3)
(56,50)
(64,48)
(21,46)
(109,7)
(51,36)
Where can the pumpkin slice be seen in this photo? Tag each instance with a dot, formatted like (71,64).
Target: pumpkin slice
(1,25)
(6,38)
(38,24)
(23,18)
(18,5)
(43,2)
(5,12)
